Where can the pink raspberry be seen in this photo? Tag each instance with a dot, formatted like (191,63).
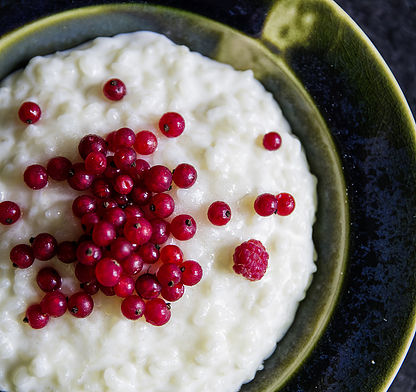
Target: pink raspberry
(250,260)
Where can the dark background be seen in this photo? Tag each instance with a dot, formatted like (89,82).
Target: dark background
(391,26)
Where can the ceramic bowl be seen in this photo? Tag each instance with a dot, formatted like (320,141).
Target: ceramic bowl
(353,328)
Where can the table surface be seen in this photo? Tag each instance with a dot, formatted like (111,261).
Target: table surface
(391,26)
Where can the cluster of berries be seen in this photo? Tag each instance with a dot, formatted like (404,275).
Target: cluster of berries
(123,218)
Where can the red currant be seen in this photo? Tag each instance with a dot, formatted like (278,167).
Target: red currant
(139,168)
(58,168)
(92,143)
(91,287)
(138,231)
(89,220)
(219,213)
(88,253)
(171,254)
(103,233)
(22,256)
(121,249)
(85,273)
(107,291)
(108,272)
(116,216)
(44,246)
(35,317)
(171,124)
(173,293)
(79,179)
(35,177)
(48,279)
(133,212)
(285,204)
(147,286)
(140,195)
(110,141)
(157,312)
(158,179)
(80,304)
(191,272)
(272,141)
(101,188)
(162,205)
(112,170)
(123,184)
(124,287)
(133,264)
(265,204)
(66,252)
(149,253)
(83,204)
(124,137)
(169,274)
(125,158)
(95,163)
(132,307)
(29,112)
(160,231)
(184,176)
(54,304)
(114,89)
(183,227)
(146,143)
(9,212)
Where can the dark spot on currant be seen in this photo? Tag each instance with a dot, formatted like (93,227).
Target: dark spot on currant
(25,320)
(170,188)
(152,207)
(112,164)
(133,164)
(83,227)
(82,285)
(157,246)
(9,220)
(31,239)
(108,247)
(168,305)
(15,265)
(228,213)
(89,252)
(28,121)
(106,204)
(138,312)
(137,225)
(182,269)
(173,171)
(71,172)
(170,284)
(188,222)
(166,127)
(113,82)
(74,310)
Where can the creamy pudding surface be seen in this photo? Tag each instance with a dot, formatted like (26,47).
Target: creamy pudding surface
(223,328)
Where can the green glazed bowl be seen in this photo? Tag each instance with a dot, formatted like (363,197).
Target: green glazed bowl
(352,330)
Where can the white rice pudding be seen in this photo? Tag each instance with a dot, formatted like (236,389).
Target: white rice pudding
(223,328)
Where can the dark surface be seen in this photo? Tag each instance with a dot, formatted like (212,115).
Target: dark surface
(391,26)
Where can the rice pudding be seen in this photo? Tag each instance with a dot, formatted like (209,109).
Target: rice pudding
(223,328)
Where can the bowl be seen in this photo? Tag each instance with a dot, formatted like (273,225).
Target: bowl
(356,322)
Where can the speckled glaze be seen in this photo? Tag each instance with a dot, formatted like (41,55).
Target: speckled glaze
(345,106)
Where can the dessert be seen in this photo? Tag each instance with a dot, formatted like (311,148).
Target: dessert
(222,328)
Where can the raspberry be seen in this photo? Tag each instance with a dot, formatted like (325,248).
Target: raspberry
(250,260)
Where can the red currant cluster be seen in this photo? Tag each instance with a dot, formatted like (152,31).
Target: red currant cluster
(123,218)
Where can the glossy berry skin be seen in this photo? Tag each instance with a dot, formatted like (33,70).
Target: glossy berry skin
(91,287)
(133,212)
(124,287)
(44,246)
(83,204)
(116,216)
(184,176)
(265,204)
(58,168)
(121,249)
(95,163)
(146,143)
(91,143)
(132,307)
(147,286)
(35,317)
(85,273)
(114,89)
(121,200)
(35,177)
(139,168)
(157,312)
(149,253)
(123,137)
(105,205)
(79,179)
(123,184)
(132,265)
(250,260)
(183,227)
(22,256)
(171,124)
(48,279)
(285,204)
(138,231)
(54,304)
(80,304)
(162,205)
(103,233)
(88,221)
(219,213)
(110,141)
(160,231)
(112,170)
(169,274)
(9,212)
(140,195)
(158,179)
(173,293)
(191,272)
(125,158)
(101,188)
(66,252)
(272,141)
(108,272)
(89,253)
(171,254)
(29,112)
